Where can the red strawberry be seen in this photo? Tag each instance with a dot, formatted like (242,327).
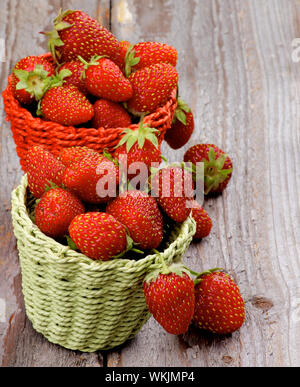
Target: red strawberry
(140,146)
(169,295)
(30,78)
(203,221)
(152,87)
(217,166)
(93,178)
(56,210)
(76,33)
(104,79)
(182,127)
(139,212)
(76,67)
(69,156)
(173,188)
(42,169)
(98,235)
(219,306)
(66,106)
(110,114)
(146,54)
(120,61)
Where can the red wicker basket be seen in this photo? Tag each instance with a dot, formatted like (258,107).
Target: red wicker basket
(28,130)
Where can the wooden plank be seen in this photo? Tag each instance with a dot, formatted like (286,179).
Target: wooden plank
(20,345)
(237,74)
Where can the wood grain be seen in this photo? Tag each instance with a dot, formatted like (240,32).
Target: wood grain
(20,24)
(237,74)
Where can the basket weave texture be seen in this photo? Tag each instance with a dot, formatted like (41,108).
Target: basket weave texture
(28,130)
(79,303)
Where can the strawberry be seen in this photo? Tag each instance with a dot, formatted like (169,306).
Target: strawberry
(104,79)
(139,212)
(219,306)
(76,67)
(169,295)
(93,178)
(152,87)
(120,61)
(76,33)
(110,114)
(30,78)
(42,169)
(98,235)
(217,166)
(55,211)
(182,127)
(139,146)
(203,221)
(69,156)
(173,188)
(66,106)
(146,54)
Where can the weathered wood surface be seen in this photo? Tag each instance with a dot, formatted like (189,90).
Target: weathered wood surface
(237,73)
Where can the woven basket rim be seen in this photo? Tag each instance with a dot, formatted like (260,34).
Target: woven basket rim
(58,253)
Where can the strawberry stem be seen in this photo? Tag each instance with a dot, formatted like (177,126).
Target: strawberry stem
(107,155)
(54,38)
(192,271)
(164,159)
(130,61)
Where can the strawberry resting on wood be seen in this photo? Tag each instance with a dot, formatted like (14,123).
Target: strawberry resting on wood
(169,295)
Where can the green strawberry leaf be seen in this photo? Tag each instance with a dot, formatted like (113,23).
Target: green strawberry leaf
(130,142)
(183,105)
(62,26)
(61,15)
(211,155)
(71,243)
(50,185)
(152,138)
(181,116)
(39,111)
(164,159)
(122,141)
(141,139)
(221,161)
(21,85)
(64,73)
(130,247)
(135,61)
(110,157)
(22,75)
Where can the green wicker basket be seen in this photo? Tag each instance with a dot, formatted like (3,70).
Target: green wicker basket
(78,303)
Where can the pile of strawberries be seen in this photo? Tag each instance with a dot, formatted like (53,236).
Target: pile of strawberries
(92,79)
(101,204)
